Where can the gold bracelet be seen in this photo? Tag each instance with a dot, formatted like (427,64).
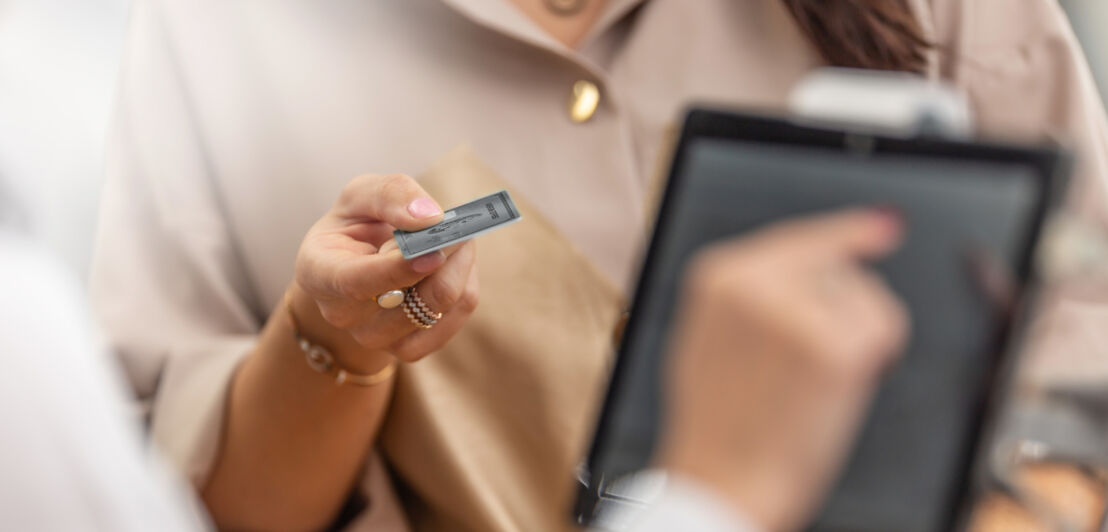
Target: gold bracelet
(321,360)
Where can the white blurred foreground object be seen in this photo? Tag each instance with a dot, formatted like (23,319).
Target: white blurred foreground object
(59,62)
(71,456)
(894,103)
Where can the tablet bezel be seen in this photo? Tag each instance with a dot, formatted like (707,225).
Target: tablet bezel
(1051,167)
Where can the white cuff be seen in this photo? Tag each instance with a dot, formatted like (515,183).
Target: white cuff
(687,506)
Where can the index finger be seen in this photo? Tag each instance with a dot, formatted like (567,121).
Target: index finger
(394,199)
(364,277)
(857,234)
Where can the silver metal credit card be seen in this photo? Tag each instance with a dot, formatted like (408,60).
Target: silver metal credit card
(460,224)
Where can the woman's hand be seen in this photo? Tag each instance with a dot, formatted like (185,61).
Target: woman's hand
(295,442)
(349,257)
(784,338)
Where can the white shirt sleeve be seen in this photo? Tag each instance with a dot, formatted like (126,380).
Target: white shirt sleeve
(688,507)
(654,500)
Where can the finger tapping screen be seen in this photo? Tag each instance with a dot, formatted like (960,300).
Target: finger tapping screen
(910,458)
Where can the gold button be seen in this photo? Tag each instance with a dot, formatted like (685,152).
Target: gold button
(584,101)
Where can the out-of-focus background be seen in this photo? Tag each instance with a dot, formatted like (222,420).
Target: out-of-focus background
(59,60)
(1090,22)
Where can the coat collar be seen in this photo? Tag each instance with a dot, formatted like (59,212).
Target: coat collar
(503,17)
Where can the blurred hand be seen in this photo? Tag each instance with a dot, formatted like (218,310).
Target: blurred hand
(349,257)
(784,337)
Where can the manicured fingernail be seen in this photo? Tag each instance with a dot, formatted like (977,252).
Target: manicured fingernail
(424,208)
(428,263)
(891,218)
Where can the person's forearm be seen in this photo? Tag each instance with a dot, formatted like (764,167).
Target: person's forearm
(294,441)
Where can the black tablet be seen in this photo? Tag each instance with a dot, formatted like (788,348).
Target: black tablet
(910,469)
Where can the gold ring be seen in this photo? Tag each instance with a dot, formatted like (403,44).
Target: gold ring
(418,311)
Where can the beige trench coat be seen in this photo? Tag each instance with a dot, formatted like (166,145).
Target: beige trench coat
(239,122)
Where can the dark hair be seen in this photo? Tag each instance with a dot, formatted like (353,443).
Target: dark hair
(872,34)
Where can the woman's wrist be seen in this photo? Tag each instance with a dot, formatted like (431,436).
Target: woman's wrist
(311,325)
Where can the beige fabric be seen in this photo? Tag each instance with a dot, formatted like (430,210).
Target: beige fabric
(239,122)
(529,404)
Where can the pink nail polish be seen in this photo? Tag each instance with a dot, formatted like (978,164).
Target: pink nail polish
(890,217)
(424,208)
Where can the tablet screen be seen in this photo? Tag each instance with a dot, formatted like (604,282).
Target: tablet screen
(910,459)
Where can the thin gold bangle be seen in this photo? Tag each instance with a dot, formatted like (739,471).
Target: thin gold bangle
(320,359)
